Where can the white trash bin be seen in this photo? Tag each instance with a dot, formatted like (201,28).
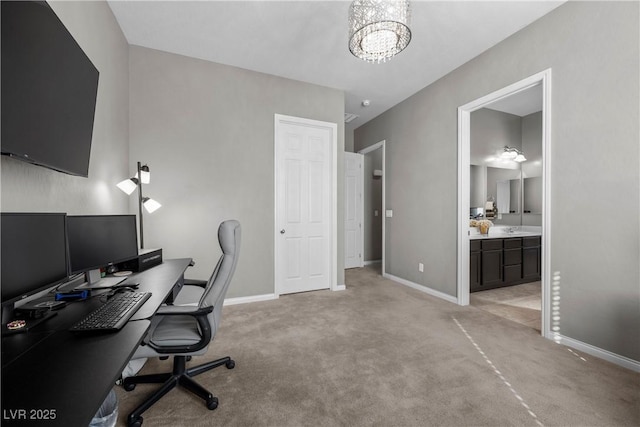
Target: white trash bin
(107,415)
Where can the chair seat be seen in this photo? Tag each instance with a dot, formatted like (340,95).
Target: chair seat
(176,330)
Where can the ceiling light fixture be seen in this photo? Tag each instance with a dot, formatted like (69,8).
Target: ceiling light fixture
(379,29)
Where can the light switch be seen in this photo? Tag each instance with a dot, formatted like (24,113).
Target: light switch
(389,213)
(375,213)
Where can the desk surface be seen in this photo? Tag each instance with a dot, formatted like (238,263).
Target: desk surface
(60,378)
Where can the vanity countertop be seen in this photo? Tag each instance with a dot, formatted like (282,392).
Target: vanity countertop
(504,235)
(502,232)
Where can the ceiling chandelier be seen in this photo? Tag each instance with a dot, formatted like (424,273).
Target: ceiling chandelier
(379,29)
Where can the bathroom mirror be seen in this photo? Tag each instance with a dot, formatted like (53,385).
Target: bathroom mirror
(532,192)
(508,196)
(498,184)
(503,185)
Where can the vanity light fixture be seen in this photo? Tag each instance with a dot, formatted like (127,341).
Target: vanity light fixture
(511,153)
(142,176)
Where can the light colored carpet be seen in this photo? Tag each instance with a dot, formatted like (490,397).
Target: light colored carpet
(520,303)
(383,354)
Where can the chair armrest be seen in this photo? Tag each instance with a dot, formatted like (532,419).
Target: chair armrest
(200,315)
(182,310)
(193,282)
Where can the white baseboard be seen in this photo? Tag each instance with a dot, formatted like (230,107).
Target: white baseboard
(265,297)
(254,298)
(623,361)
(375,261)
(422,288)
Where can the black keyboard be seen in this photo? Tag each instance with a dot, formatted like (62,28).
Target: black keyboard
(114,314)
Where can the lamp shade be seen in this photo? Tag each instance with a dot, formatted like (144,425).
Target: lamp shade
(150,205)
(509,153)
(145,174)
(128,185)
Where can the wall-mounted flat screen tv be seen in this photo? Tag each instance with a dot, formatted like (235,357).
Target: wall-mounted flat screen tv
(49,90)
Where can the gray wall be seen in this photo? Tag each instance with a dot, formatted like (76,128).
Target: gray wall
(491,131)
(592,48)
(372,198)
(28,188)
(532,147)
(348,140)
(207,132)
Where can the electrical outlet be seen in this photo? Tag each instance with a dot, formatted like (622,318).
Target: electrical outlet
(421,267)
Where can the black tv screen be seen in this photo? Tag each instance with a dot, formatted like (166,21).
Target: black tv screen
(34,253)
(96,241)
(49,89)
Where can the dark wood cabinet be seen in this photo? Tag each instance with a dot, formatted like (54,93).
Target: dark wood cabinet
(531,259)
(495,263)
(474,266)
(491,262)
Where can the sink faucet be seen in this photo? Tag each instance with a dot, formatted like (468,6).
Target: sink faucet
(511,230)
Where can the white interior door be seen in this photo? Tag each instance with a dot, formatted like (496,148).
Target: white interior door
(353,206)
(304,169)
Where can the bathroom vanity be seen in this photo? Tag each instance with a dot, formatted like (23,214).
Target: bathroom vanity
(498,260)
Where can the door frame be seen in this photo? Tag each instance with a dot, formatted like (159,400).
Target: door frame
(333,218)
(464,146)
(376,146)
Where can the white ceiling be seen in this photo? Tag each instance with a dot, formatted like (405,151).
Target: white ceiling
(307,41)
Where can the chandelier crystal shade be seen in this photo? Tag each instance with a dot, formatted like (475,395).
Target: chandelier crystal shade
(379,29)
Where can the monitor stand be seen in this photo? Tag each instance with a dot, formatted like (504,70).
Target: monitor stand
(94,281)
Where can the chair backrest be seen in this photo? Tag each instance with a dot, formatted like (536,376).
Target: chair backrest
(214,294)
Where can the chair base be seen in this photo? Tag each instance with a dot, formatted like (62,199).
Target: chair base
(179,377)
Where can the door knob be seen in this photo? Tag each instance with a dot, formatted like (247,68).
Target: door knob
(282,231)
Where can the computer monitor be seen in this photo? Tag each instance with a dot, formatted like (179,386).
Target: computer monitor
(97,241)
(34,254)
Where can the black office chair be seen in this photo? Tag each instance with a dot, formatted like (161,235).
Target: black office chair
(185,331)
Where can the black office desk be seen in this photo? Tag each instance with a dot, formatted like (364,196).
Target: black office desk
(59,378)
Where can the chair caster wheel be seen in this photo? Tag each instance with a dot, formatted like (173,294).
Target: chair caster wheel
(230,364)
(163,357)
(212,403)
(128,386)
(134,422)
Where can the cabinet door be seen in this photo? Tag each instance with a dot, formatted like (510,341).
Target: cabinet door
(531,263)
(474,272)
(491,268)
(513,257)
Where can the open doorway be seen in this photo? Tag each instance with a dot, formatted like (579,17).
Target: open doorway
(504,179)
(373,235)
